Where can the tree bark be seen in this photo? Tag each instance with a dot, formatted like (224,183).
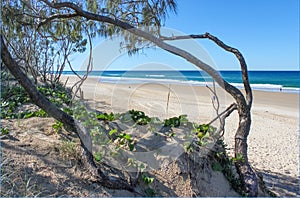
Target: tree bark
(244,169)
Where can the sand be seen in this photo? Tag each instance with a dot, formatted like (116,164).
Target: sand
(273,148)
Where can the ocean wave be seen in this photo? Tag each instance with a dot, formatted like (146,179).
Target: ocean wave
(113,75)
(260,87)
(156,75)
(269,87)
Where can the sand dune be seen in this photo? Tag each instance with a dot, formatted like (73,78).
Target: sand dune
(273,140)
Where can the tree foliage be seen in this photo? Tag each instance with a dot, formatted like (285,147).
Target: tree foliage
(43,38)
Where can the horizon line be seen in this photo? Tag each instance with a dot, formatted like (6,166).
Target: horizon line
(184,70)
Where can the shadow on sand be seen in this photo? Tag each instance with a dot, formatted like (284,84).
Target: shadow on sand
(280,184)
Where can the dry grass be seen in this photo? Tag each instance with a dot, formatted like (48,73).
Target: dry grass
(38,163)
(16,181)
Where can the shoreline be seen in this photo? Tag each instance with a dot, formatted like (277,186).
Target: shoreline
(132,80)
(262,99)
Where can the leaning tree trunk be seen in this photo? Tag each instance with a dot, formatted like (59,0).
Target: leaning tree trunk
(71,123)
(248,176)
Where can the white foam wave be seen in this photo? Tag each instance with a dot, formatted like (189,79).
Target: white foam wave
(156,75)
(261,87)
(269,87)
(113,75)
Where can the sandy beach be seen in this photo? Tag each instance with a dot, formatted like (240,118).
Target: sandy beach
(273,140)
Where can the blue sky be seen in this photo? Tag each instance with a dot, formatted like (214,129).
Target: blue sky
(265,31)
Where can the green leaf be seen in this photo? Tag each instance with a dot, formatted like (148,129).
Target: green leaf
(187,146)
(127,136)
(173,122)
(28,114)
(97,157)
(204,127)
(238,158)
(131,147)
(142,167)
(139,117)
(57,126)
(112,131)
(147,180)
(183,118)
(200,135)
(101,116)
(206,135)
(4,131)
(172,134)
(106,117)
(40,113)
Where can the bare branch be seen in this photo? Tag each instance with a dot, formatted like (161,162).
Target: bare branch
(222,116)
(214,98)
(70,65)
(229,109)
(216,105)
(57,16)
(88,70)
(235,51)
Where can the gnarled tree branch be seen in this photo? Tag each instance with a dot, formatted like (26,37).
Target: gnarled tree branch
(56,16)
(235,51)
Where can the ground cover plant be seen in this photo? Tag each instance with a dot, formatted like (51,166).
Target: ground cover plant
(13,98)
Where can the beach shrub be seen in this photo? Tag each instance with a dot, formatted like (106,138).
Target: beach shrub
(11,99)
(4,131)
(90,122)
(204,133)
(15,96)
(172,122)
(57,126)
(122,139)
(106,117)
(139,117)
(57,95)
(176,121)
(29,114)
(202,129)
(14,93)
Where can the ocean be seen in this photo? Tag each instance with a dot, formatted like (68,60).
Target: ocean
(275,81)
